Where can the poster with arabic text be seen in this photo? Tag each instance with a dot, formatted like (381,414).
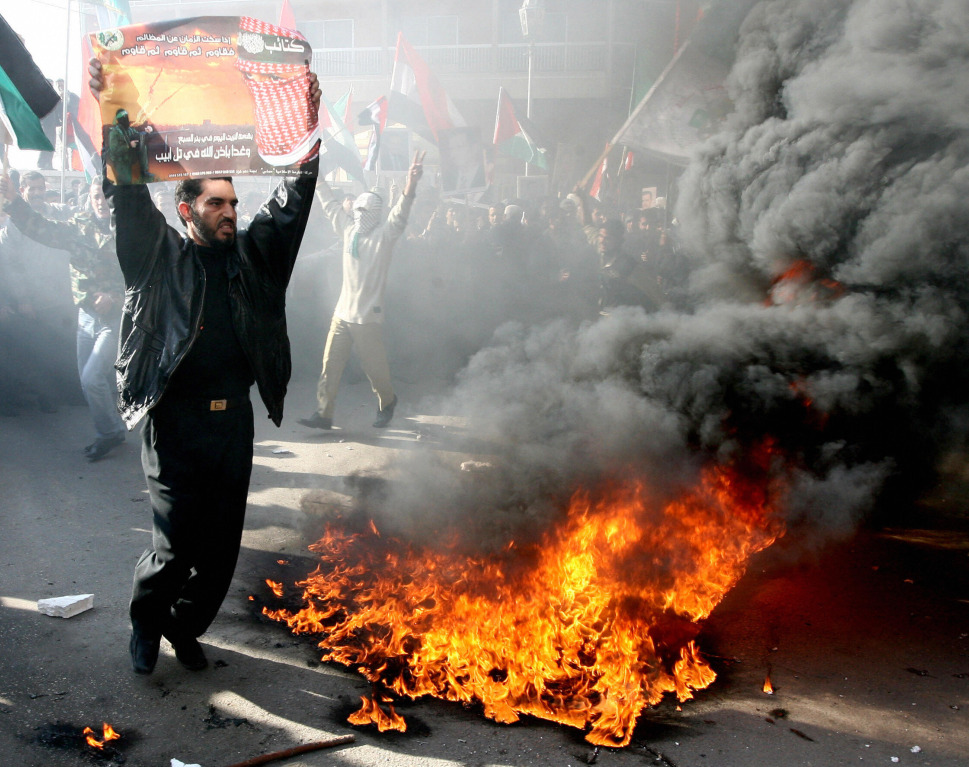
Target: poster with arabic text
(207,96)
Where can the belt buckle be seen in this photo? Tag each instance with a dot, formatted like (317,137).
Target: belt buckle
(218,404)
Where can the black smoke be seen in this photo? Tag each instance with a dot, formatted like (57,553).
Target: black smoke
(847,154)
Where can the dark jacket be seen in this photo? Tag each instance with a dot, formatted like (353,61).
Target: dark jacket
(88,240)
(165,284)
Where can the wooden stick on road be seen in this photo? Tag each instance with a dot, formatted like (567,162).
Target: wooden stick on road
(296,750)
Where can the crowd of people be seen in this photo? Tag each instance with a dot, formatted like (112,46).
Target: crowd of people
(459,271)
(174,301)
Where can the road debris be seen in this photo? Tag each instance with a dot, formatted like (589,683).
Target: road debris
(66,607)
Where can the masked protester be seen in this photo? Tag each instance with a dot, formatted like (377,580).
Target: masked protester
(358,318)
(127,149)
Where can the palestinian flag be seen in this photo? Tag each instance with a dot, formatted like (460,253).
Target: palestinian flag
(600,182)
(375,115)
(78,140)
(25,94)
(343,105)
(416,98)
(339,148)
(515,135)
(286,18)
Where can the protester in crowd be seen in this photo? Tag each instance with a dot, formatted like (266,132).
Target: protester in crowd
(25,372)
(358,319)
(615,267)
(98,291)
(190,378)
(65,263)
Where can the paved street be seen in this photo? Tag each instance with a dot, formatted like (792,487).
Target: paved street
(866,642)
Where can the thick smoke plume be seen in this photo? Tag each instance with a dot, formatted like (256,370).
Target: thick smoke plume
(845,161)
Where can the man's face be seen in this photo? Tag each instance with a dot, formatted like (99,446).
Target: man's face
(494,216)
(213,216)
(607,242)
(598,217)
(33,191)
(98,204)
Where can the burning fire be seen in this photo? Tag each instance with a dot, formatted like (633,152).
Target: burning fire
(586,628)
(108,734)
(800,283)
(371,713)
(768,687)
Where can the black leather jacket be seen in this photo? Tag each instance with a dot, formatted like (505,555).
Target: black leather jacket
(165,285)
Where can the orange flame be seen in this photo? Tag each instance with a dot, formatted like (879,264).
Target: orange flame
(800,283)
(276,588)
(586,628)
(371,713)
(108,734)
(768,687)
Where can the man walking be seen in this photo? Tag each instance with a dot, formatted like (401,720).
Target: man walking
(358,318)
(204,319)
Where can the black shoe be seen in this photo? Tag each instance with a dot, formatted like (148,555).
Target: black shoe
(317,421)
(101,447)
(189,653)
(385,415)
(144,652)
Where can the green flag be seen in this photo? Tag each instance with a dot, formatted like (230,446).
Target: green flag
(515,136)
(20,121)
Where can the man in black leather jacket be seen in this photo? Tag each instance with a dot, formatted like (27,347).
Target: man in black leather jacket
(204,319)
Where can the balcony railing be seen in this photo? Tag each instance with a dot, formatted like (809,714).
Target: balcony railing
(550,58)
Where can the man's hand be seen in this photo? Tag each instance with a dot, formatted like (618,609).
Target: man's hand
(414,174)
(7,190)
(315,93)
(96,83)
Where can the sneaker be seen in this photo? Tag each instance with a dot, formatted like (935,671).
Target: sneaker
(101,447)
(144,652)
(385,415)
(317,421)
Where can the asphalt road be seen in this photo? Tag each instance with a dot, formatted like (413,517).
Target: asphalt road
(866,640)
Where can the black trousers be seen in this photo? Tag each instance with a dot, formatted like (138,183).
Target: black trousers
(197,465)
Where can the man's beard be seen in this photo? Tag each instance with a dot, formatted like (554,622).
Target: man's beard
(209,235)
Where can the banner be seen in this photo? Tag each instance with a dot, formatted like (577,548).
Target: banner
(462,161)
(212,95)
(687,104)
